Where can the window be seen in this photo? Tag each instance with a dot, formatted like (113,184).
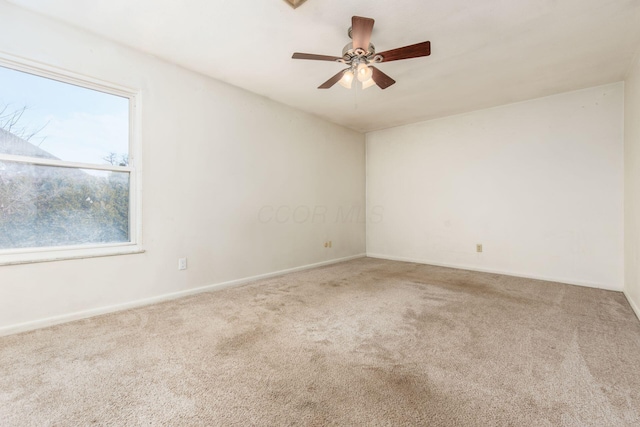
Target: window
(67,166)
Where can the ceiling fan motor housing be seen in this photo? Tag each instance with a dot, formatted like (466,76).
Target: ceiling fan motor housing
(354,57)
(349,52)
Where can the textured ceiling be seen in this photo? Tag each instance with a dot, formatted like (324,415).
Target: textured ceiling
(484,53)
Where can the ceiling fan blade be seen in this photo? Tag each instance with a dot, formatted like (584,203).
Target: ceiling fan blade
(361,29)
(414,51)
(315,57)
(381,78)
(333,80)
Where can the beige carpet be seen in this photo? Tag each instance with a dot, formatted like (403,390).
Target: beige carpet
(367,342)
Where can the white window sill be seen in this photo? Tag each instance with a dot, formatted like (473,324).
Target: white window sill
(61,254)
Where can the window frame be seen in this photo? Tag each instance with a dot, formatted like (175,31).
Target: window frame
(134,169)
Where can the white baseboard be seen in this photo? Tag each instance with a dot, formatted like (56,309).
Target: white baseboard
(55,320)
(633,305)
(504,272)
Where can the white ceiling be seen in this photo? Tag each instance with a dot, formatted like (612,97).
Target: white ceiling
(484,53)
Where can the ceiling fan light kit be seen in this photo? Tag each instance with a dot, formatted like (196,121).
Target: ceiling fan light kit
(347,79)
(360,54)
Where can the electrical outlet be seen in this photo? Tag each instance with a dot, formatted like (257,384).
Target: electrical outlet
(182,263)
(330,243)
(479,247)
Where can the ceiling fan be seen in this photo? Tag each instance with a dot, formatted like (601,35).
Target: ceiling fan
(361,53)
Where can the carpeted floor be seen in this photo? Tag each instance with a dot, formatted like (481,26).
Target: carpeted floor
(366,342)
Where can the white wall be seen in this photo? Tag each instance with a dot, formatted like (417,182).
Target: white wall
(213,157)
(538,183)
(632,186)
